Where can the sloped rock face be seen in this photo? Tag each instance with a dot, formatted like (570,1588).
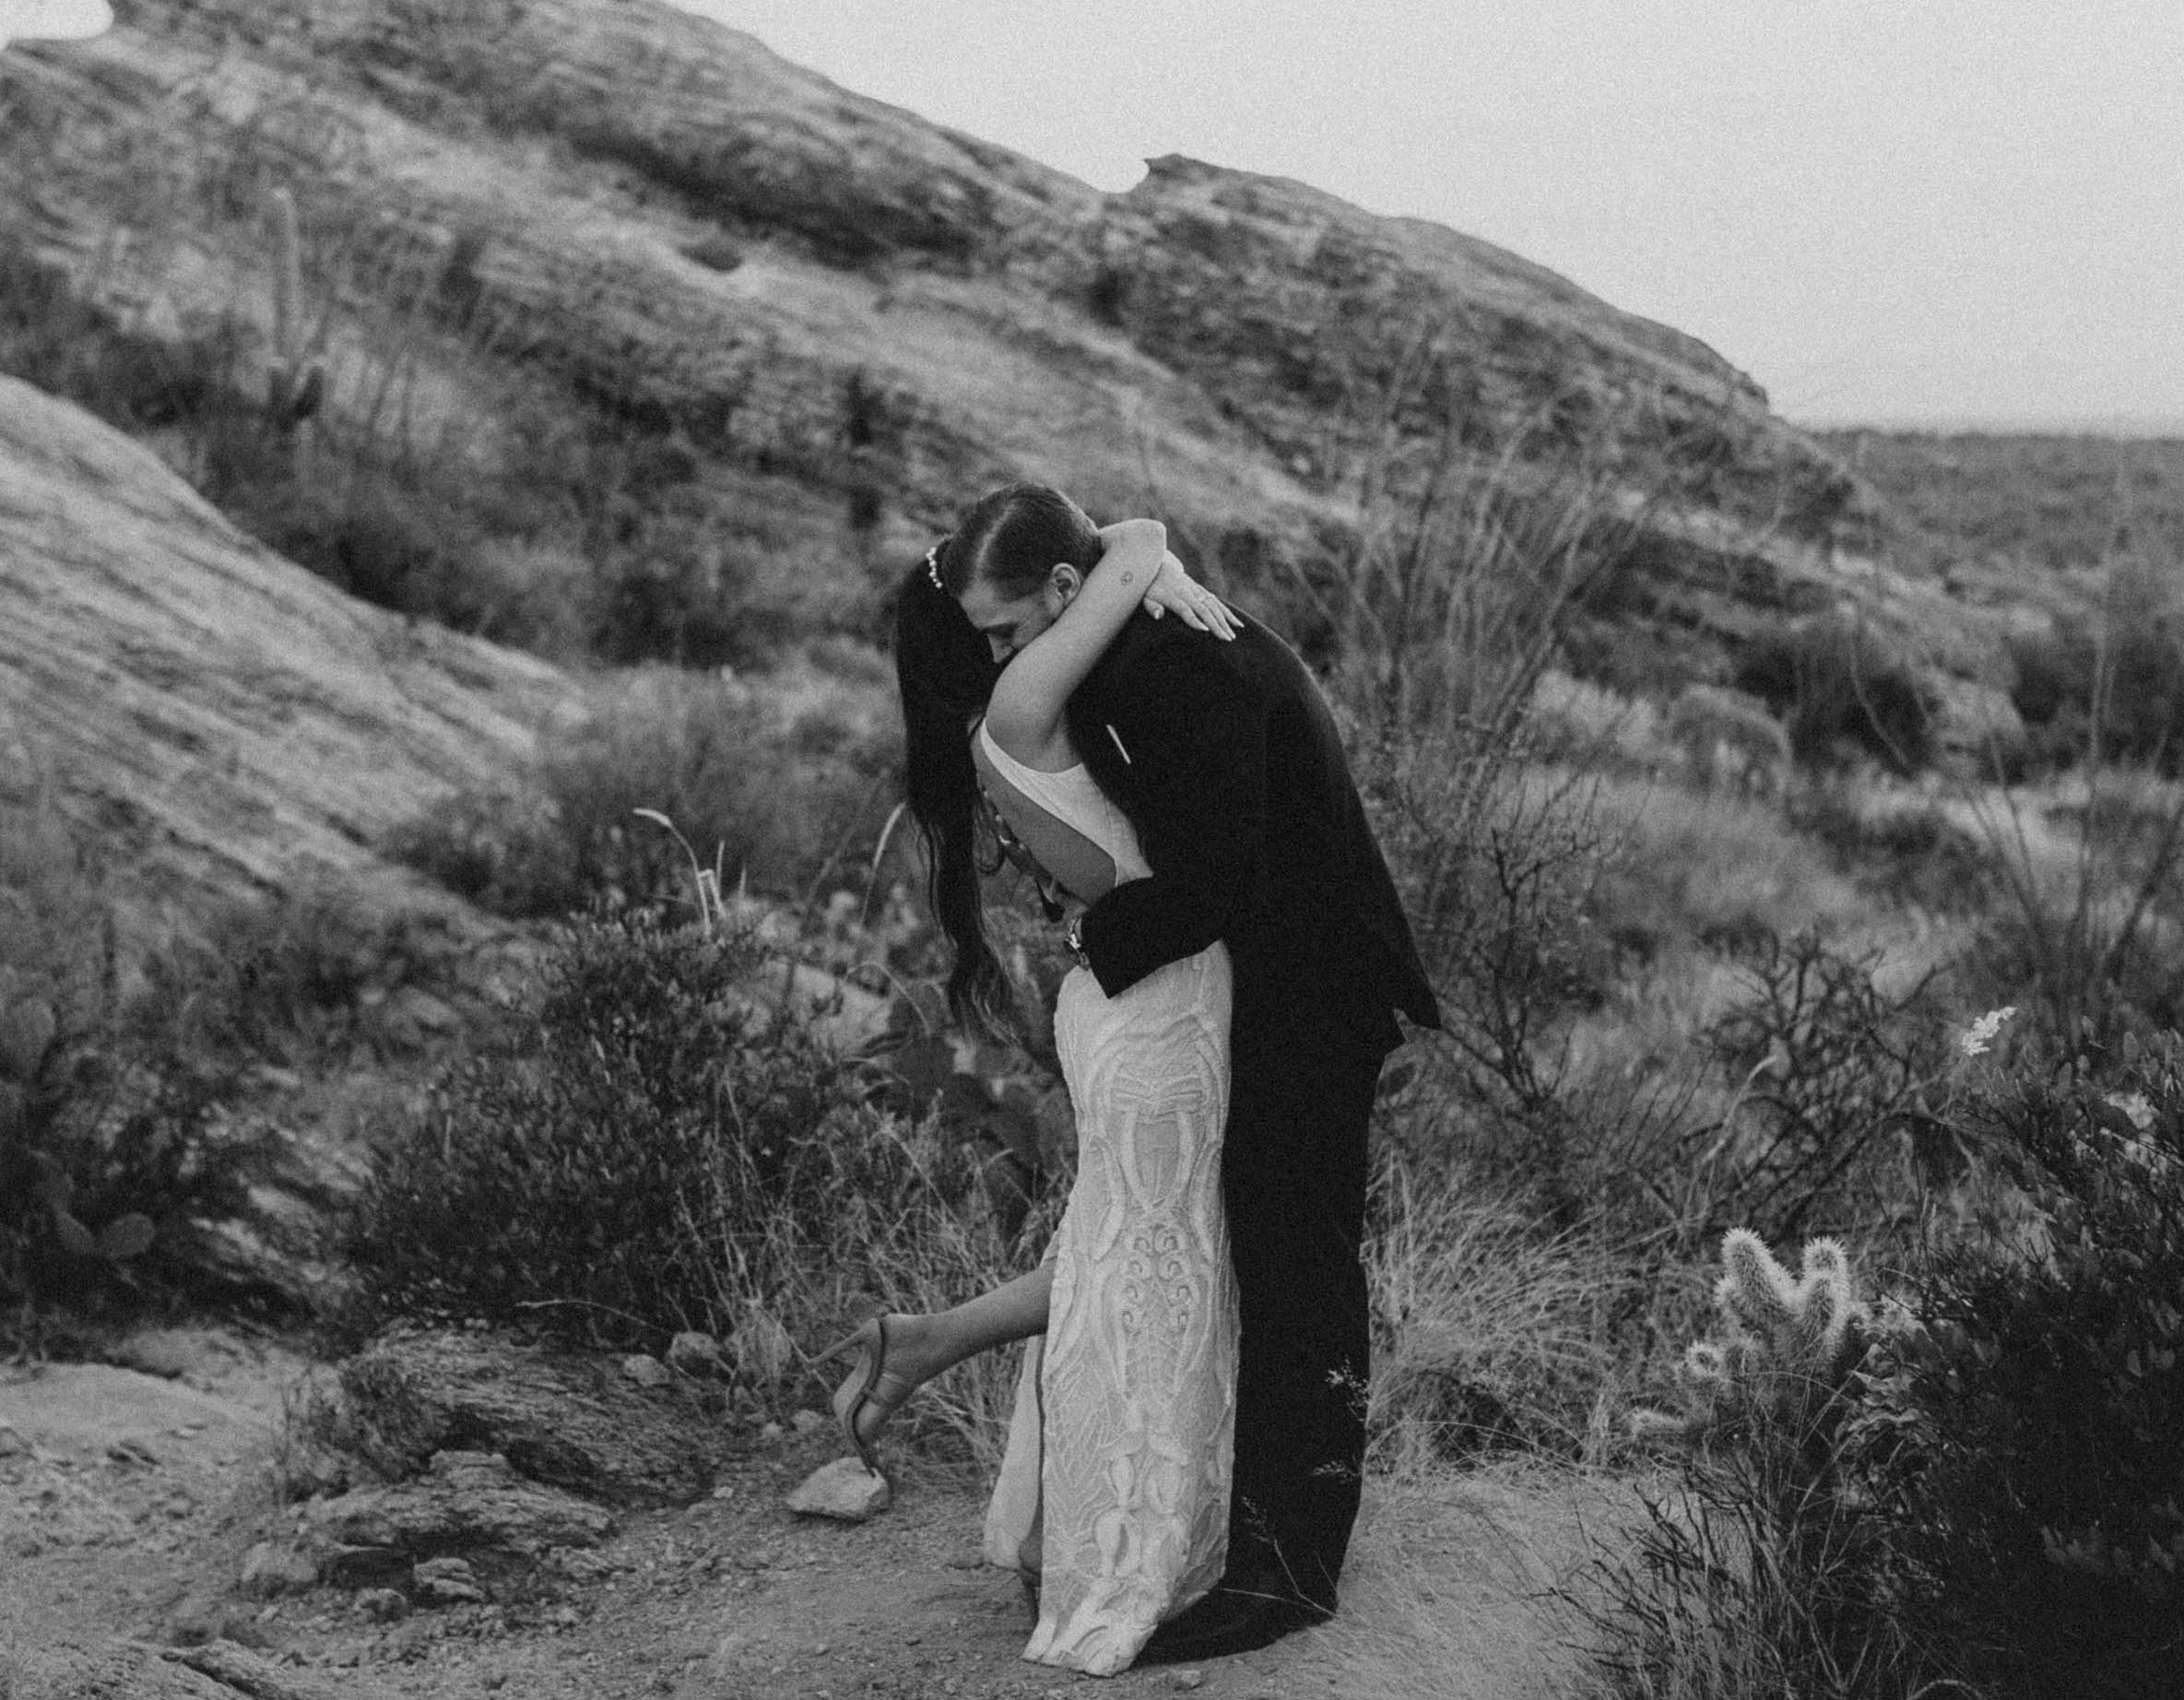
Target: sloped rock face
(865,319)
(214,719)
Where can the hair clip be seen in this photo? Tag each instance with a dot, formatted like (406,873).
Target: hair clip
(933,567)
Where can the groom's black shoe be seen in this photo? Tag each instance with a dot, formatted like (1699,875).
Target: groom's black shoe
(1230,1619)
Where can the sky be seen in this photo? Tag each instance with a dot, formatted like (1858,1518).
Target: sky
(1954,212)
(53,20)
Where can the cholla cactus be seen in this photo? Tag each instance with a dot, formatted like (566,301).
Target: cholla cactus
(1792,1344)
(293,389)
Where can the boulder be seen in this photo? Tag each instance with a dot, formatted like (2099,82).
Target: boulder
(219,721)
(829,302)
(467,1500)
(567,1418)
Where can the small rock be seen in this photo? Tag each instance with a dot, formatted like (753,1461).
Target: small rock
(384,1605)
(695,1353)
(167,1353)
(844,1490)
(12,1444)
(579,1566)
(448,1582)
(1187,1678)
(805,1422)
(274,1567)
(202,1617)
(771,1430)
(646,1372)
(367,1566)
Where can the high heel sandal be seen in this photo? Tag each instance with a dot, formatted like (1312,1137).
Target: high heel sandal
(862,1389)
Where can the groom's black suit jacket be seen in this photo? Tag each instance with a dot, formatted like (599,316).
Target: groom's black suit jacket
(1227,761)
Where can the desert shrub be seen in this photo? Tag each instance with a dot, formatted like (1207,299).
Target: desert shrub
(1899,843)
(2051,687)
(116,1154)
(2088,927)
(1832,1072)
(1500,910)
(1763,1564)
(308,979)
(672,590)
(503,850)
(2110,688)
(1837,684)
(662,1142)
(1978,1485)
(782,786)
(1485,1328)
(2046,1507)
(1581,723)
(1707,866)
(643,1150)
(621,1158)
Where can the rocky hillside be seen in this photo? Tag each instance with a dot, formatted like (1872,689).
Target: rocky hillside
(211,719)
(797,328)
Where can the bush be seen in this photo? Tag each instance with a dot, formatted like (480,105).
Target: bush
(1764,1569)
(662,1144)
(783,783)
(630,1156)
(2090,931)
(1982,1486)
(1832,1072)
(116,1154)
(2110,689)
(2047,1506)
(1485,1333)
(1500,910)
(1839,685)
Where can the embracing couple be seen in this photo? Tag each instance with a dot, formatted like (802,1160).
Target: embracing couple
(1185,1460)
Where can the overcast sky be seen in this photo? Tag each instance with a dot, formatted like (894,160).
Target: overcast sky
(1947,210)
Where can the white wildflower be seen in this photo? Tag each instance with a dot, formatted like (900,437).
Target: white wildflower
(1979,1038)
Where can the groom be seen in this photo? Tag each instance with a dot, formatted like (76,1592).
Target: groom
(1226,758)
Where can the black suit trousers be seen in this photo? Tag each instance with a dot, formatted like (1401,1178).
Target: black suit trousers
(1293,1179)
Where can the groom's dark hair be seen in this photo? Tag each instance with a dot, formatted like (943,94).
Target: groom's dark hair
(1014,537)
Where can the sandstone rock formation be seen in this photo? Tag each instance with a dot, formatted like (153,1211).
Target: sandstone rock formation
(563,1418)
(215,719)
(842,321)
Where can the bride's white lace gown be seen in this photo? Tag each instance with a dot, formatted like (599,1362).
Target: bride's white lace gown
(1124,1414)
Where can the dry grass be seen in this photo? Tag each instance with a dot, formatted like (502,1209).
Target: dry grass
(1490,1336)
(1690,865)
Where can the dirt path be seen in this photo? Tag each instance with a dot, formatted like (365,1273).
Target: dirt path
(128,1500)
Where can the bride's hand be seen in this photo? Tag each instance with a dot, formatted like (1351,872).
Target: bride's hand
(1174,590)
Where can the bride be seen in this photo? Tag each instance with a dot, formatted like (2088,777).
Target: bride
(1113,1497)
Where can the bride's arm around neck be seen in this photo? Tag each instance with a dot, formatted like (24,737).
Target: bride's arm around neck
(1025,715)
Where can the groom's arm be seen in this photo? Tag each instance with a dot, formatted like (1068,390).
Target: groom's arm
(1195,736)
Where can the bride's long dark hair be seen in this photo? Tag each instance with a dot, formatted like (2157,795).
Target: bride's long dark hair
(945,670)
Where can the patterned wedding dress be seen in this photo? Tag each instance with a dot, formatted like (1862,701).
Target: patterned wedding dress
(1121,1440)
